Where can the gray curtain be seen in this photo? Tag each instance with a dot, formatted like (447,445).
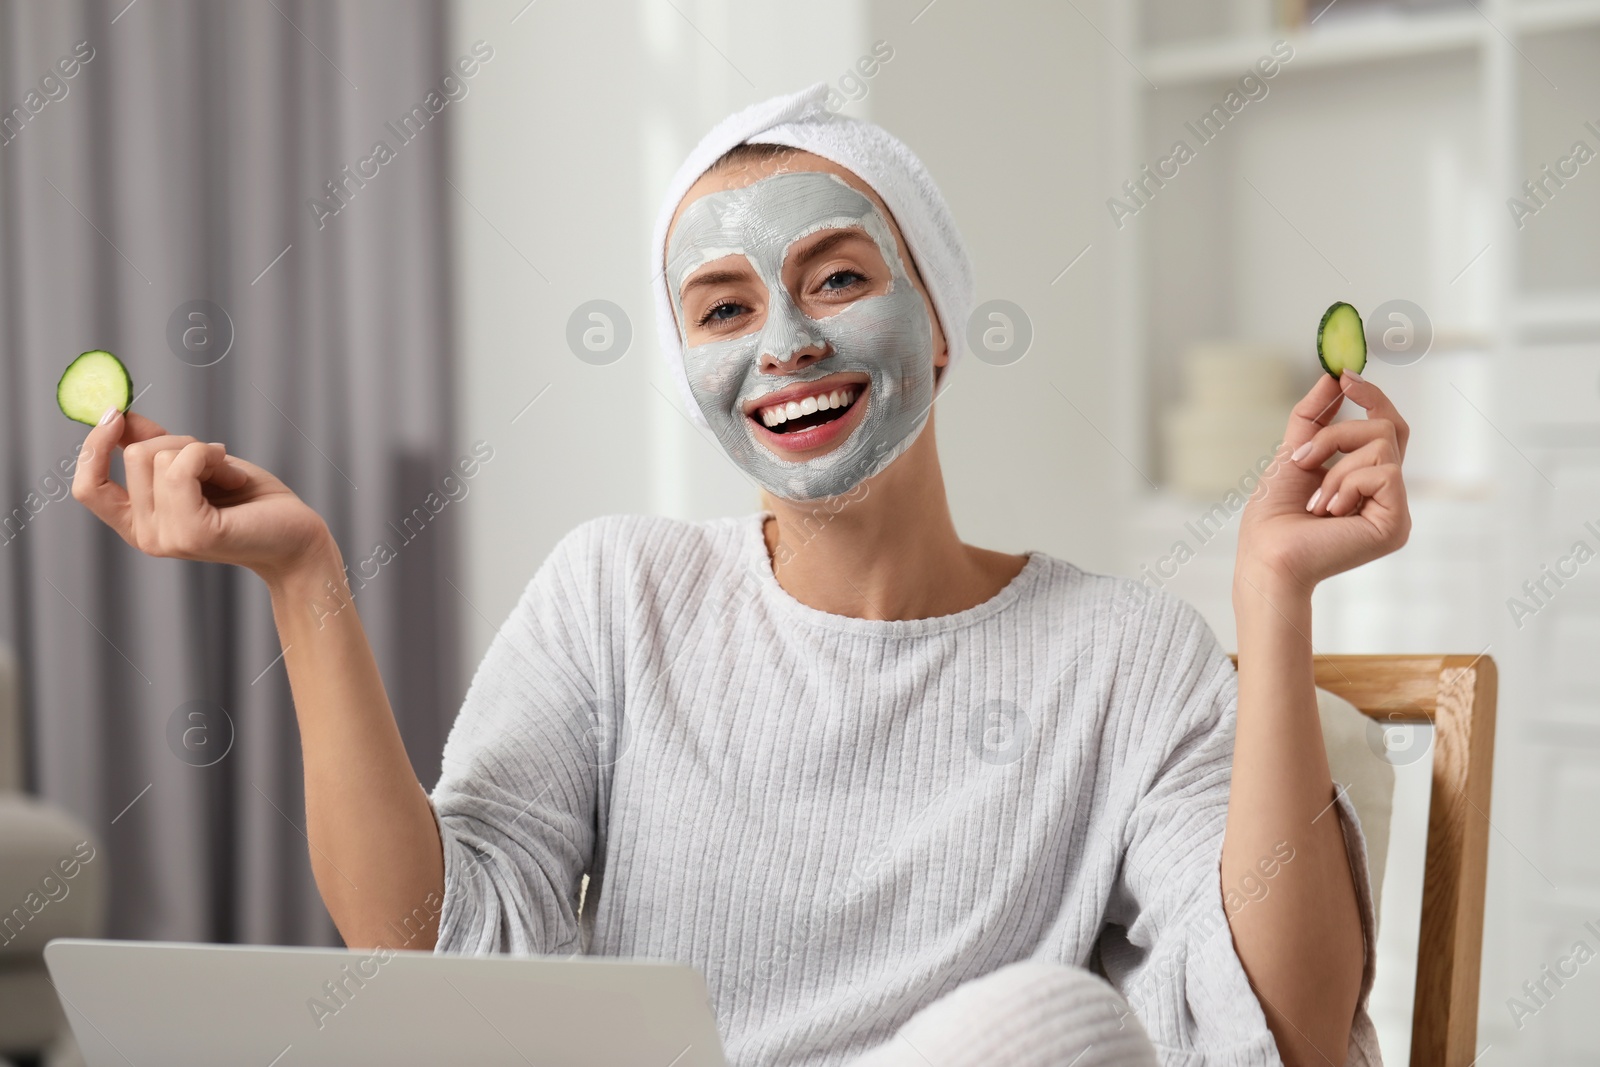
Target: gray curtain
(174,165)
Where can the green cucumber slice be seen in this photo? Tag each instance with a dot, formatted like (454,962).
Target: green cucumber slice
(93,382)
(1341,340)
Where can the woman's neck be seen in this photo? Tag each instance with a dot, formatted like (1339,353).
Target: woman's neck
(886,550)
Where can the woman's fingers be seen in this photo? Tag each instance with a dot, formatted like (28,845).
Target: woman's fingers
(1314,411)
(215,466)
(163,509)
(138,465)
(91,480)
(138,428)
(139,460)
(181,510)
(1377,405)
(249,476)
(1370,454)
(1378,493)
(250,470)
(227,475)
(1347,437)
(183,519)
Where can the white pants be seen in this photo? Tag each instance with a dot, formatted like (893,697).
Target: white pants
(1028,1014)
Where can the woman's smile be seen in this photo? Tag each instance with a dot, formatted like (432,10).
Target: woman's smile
(802,420)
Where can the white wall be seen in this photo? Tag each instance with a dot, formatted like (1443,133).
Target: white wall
(1004,104)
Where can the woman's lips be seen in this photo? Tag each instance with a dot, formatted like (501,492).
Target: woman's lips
(796,442)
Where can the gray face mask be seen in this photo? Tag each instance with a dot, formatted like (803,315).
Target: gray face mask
(888,337)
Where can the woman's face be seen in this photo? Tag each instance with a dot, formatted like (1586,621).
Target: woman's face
(809,344)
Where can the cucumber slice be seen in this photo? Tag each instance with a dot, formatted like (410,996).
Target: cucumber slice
(93,382)
(1341,340)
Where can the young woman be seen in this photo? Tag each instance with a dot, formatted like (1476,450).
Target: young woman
(903,800)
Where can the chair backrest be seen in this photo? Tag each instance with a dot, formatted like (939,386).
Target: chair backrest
(1456,695)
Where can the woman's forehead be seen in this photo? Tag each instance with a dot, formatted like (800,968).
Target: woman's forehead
(770,214)
(746,172)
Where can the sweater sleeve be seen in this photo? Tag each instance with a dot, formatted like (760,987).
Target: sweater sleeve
(1169,948)
(515,802)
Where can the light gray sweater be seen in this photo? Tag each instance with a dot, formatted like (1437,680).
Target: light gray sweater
(838,820)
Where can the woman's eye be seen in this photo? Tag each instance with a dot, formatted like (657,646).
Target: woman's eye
(721,313)
(842,279)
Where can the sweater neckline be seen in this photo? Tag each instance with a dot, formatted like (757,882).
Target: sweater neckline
(754,540)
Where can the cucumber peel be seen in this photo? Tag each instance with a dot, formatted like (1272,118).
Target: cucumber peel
(93,382)
(1341,340)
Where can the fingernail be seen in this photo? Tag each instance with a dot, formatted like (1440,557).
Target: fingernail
(1301,452)
(1312,503)
(1353,375)
(111,412)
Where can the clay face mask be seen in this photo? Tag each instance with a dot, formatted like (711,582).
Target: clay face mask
(888,337)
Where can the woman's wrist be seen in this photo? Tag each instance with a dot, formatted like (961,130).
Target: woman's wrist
(1272,614)
(305,574)
(1256,584)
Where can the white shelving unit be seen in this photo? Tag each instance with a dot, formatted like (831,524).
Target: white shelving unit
(1379,165)
(1338,45)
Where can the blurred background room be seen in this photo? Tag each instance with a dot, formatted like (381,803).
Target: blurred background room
(374,245)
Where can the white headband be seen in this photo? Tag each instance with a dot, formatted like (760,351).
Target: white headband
(877,157)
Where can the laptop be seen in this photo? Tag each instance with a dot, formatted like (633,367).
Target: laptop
(186,1005)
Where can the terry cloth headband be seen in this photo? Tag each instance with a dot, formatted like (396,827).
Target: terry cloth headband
(877,157)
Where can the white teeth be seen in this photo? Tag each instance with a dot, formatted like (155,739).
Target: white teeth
(778,414)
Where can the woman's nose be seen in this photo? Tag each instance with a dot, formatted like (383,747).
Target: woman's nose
(796,361)
(788,343)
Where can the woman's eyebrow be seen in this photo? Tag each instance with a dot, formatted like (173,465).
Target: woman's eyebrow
(823,246)
(715,277)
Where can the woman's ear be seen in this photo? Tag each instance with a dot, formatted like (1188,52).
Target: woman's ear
(941,347)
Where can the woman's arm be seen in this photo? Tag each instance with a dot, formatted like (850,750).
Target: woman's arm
(375,849)
(1301,944)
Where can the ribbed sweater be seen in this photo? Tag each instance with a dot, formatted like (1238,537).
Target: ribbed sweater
(839,820)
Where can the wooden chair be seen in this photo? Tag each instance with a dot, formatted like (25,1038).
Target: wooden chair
(1456,694)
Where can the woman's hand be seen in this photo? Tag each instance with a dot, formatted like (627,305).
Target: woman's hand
(191,500)
(1312,522)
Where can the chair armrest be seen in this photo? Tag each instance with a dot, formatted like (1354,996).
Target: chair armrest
(52,878)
